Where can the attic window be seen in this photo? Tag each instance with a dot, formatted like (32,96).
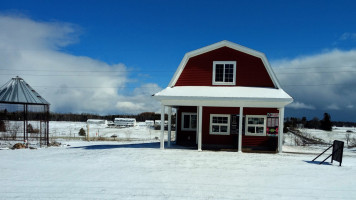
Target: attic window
(224,72)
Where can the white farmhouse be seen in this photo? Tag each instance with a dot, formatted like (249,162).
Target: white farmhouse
(128,122)
(150,123)
(97,121)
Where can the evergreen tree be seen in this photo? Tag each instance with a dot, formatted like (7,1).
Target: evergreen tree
(82,132)
(326,123)
(2,126)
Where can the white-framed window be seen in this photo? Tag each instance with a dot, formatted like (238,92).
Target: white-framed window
(224,72)
(255,125)
(189,121)
(219,124)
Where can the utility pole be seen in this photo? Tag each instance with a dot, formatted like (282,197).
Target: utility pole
(88,132)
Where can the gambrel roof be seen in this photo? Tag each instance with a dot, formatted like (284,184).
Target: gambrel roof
(17,90)
(222,96)
(218,45)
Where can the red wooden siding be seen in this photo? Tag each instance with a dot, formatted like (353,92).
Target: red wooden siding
(216,139)
(250,70)
(259,111)
(189,137)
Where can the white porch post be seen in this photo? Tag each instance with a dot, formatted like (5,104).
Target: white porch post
(197,127)
(169,125)
(200,125)
(240,129)
(280,129)
(175,132)
(162,126)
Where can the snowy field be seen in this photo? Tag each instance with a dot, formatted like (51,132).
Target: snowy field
(71,129)
(59,130)
(338,133)
(138,169)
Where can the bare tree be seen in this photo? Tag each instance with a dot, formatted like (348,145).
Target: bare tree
(14,130)
(128,134)
(352,142)
(347,137)
(2,126)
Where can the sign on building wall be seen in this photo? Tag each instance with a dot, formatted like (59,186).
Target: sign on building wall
(235,122)
(272,124)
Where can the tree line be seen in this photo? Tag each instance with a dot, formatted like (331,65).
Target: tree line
(316,123)
(75,117)
(83,117)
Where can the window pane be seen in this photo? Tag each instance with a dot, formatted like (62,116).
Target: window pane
(215,120)
(260,120)
(224,120)
(186,121)
(259,130)
(255,120)
(193,121)
(215,129)
(229,73)
(219,73)
(229,78)
(229,68)
(251,129)
(223,129)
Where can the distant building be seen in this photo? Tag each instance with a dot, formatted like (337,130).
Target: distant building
(150,123)
(111,124)
(97,121)
(141,124)
(127,122)
(158,122)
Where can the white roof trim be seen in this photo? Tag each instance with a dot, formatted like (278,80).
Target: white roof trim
(229,44)
(224,96)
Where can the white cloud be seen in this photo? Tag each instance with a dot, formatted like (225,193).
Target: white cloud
(142,98)
(324,80)
(348,36)
(333,107)
(350,106)
(70,83)
(299,105)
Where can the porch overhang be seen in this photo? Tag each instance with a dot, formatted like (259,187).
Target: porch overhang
(223,96)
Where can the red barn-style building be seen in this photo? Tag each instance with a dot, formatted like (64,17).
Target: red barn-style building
(226,96)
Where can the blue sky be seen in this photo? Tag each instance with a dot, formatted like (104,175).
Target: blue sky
(143,43)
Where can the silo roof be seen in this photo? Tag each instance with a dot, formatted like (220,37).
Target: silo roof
(17,90)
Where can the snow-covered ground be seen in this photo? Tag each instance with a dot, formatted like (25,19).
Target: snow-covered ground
(338,133)
(71,129)
(140,170)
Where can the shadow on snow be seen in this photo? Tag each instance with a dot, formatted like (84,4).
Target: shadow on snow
(317,162)
(152,145)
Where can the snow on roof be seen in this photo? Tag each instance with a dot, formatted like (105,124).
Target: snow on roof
(214,93)
(18,91)
(125,119)
(96,120)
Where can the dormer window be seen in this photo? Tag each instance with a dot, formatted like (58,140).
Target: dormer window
(224,72)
